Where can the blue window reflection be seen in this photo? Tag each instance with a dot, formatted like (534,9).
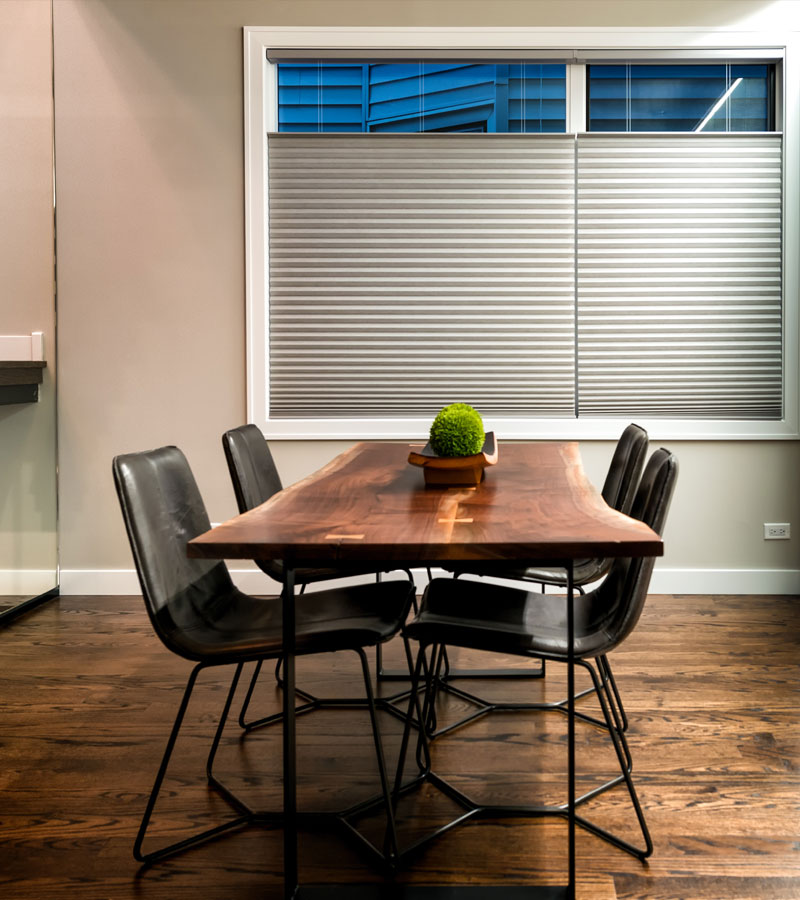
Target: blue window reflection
(721,97)
(414,97)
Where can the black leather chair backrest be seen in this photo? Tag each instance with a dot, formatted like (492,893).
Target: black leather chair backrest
(163,510)
(619,600)
(253,473)
(626,467)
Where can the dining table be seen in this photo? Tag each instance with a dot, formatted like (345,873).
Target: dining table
(536,506)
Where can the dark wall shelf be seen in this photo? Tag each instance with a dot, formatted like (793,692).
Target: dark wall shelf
(20,380)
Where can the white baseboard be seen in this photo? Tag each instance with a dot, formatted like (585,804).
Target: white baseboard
(27,582)
(664,581)
(725,581)
(125,581)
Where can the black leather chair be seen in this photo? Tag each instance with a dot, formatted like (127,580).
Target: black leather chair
(255,479)
(508,620)
(200,615)
(618,491)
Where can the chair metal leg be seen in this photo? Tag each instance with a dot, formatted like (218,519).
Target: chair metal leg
(245,816)
(433,681)
(387,857)
(312,702)
(613,699)
(213,781)
(608,678)
(611,722)
(431,674)
(382,674)
(413,703)
(390,844)
(418,722)
(623,757)
(212,753)
(424,757)
(250,689)
(451,674)
(485,706)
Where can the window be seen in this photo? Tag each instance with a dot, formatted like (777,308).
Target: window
(424,96)
(548,269)
(681,98)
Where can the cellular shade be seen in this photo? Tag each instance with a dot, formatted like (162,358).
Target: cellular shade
(679,276)
(411,271)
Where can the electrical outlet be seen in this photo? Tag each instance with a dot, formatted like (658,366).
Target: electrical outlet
(777,531)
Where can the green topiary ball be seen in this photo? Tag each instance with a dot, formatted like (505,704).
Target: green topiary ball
(457,431)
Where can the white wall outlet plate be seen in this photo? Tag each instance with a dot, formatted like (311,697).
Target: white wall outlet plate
(777,531)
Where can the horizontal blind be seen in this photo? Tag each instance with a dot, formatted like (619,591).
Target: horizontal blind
(411,271)
(679,276)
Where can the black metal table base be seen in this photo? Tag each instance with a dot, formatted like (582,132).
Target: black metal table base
(485,706)
(293,890)
(250,818)
(431,892)
(494,673)
(313,703)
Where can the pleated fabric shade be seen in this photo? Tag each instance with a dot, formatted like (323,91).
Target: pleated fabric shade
(679,275)
(527,275)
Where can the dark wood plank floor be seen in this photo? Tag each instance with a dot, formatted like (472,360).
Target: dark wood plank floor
(710,685)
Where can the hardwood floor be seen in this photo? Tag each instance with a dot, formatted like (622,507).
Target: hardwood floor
(710,685)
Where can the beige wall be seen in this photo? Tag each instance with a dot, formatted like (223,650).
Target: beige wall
(151,249)
(27,431)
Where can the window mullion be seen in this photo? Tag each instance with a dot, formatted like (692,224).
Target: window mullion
(576,98)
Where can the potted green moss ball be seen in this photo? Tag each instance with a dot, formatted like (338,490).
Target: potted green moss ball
(457,431)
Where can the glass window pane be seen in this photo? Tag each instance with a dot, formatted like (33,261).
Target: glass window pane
(679,98)
(424,96)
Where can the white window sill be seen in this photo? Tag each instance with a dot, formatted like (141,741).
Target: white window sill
(416,429)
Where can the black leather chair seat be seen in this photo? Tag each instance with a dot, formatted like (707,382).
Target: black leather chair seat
(584,571)
(461,613)
(237,624)
(311,575)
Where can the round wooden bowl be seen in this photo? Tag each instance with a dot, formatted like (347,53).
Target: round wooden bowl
(450,471)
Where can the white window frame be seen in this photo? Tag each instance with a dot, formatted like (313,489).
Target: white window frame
(588,45)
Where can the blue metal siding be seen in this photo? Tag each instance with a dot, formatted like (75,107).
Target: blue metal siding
(314,97)
(677,97)
(397,93)
(412,97)
(537,98)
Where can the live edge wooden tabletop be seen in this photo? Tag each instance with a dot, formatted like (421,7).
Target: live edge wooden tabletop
(370,504)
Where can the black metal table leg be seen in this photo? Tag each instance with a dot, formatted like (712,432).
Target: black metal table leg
(290,878)
(571,731)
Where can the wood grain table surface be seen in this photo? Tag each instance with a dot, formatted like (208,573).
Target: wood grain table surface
(369,503)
